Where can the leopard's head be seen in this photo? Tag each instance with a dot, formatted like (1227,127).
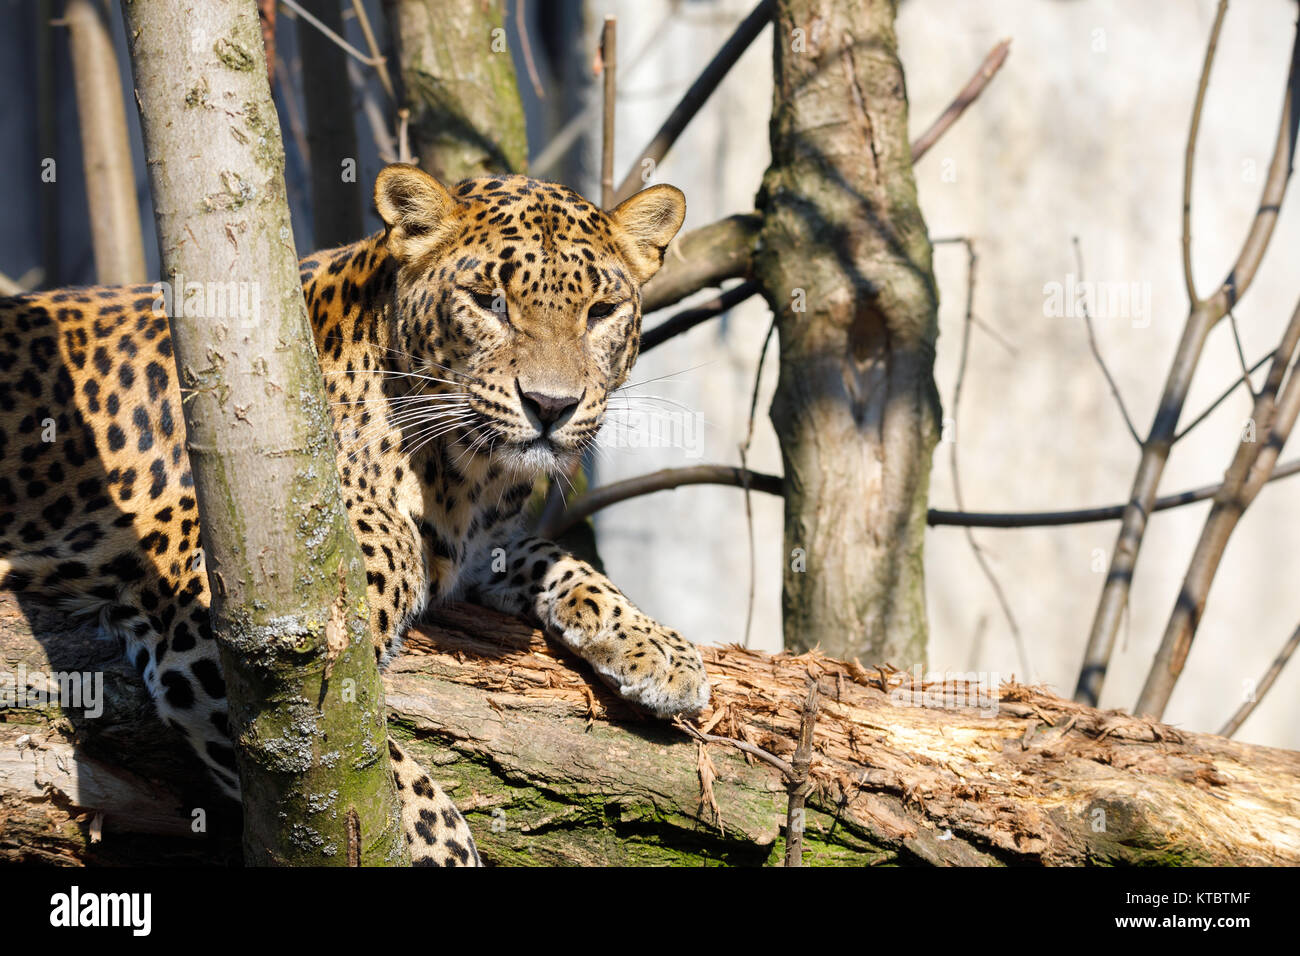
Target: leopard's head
(524,299)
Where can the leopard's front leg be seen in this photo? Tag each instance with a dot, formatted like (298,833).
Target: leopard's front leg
(645,662)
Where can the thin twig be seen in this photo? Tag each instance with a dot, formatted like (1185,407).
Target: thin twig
(667,479)
(580,122)
(697,95)
(1241,353)
(1022,652)
(744,464)
(608,66)
(377,59)
(1096,352)
(338,40)
(521,27)
(1189,154)
(9,287)
(799,786)
(404,135)
(385,144)
(969,93)
(689,318)
(787,771)
(1223,397)
(1248,707)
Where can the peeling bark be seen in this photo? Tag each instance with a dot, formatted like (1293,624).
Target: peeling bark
(550,768)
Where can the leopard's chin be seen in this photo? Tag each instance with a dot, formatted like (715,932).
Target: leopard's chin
(536,456)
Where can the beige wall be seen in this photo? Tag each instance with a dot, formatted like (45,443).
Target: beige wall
(1082,135)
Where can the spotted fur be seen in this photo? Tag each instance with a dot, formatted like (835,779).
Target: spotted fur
(468,347)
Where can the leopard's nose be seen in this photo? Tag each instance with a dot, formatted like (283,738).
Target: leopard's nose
(548,409)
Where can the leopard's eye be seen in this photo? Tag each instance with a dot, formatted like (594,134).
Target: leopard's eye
(486,301)
(600,310)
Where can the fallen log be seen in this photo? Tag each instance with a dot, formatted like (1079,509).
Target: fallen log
(550,768)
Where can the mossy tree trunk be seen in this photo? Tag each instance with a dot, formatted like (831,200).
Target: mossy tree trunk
(844,261)
(286,577)
(459,85)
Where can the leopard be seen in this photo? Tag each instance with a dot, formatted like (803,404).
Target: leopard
(468,348)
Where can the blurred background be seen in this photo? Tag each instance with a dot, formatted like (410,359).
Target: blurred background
(1081,135)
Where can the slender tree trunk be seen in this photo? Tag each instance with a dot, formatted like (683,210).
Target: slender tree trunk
(110,174)
(459,82)
(286,577)
(336,202)
(47,116)
(844,261)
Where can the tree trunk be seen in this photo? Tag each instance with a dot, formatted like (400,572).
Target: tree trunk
(459,86)
(110,175)
(550,768)
(336,202)
(286,577)
(844,261)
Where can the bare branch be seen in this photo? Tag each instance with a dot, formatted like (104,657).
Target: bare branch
(1245,379)
(786,770)
(583,507)
(1238,279)
(971,261)
(1265,683)
(703,257)
(1241,353)
(697,95)
(744,464)
(106,152)
(669,478)
(338,40)
(376,58)
(1155,450)
(1189,155)
(9,287)
(969,93)
(521,27)
(559,144)
(689,318)
(1096,353)
(385,143)
(1274,416)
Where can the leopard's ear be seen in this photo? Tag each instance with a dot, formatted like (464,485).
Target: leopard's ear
(416,208)
(645,224)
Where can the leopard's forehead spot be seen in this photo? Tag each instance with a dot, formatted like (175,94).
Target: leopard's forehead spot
(520,209)
(537,240)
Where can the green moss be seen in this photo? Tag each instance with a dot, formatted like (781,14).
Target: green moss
(509,813)
(234,54)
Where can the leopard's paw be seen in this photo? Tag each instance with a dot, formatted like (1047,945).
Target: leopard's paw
(652,666)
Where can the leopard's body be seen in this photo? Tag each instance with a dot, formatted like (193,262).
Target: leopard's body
(469,346)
